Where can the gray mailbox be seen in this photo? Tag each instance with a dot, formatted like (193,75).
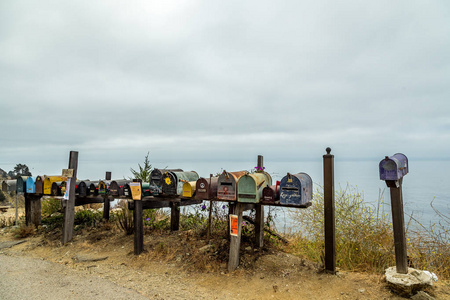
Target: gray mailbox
(296,189)
(394,167)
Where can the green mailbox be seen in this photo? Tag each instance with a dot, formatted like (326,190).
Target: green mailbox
(251,185)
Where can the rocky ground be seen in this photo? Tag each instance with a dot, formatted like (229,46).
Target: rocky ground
(100,264)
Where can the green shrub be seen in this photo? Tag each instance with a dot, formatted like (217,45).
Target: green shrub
(50,206)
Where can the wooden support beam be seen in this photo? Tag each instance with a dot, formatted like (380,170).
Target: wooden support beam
(398,223)
(235,241)
(106,208)
(35,209)
(259,226)
(138,227)
(27,210)
(69,211)
(328,195)
(174,216)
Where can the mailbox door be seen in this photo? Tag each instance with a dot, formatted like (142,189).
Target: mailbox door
(54,189)
(4,186)
(114,188)
(102,187)
(93,188)
(156,176)
(47,186)
(31,187)
(270,194)
(21,184)
(189,189)
(126,190)
(146,189)
(169,183)
(39,185)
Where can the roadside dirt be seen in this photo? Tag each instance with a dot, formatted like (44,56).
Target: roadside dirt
(179,265)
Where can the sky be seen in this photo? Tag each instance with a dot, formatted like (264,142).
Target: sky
(222,81)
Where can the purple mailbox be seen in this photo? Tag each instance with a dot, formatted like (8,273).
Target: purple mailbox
(394,167)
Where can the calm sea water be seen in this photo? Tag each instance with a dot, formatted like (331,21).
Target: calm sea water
(426,182)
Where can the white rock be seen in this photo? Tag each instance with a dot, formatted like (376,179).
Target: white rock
(408,284)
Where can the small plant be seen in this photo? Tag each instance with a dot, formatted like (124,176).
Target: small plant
(87,218)
(24,231)
(124,220)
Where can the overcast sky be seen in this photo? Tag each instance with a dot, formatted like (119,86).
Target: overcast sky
(223,80)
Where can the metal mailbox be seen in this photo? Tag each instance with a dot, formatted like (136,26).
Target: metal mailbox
(9,186)
(250,186)
(394,167)
(21,185)
(189,189)
(127,189)
(271,194)
(31,186)
(116,187)
(156,177)
(206,188)
(83,188)
(173,182)
(103,187)
(146,190)
(296,189)
(39,184)
(48,184)
(227,184)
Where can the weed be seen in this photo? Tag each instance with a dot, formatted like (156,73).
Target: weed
(24,231)
(50,206)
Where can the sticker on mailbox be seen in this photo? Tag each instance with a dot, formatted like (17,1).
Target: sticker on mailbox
(136,191)
(234,225)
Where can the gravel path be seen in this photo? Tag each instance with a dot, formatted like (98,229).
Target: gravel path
(30,278)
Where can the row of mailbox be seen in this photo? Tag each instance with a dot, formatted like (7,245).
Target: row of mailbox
(241,186)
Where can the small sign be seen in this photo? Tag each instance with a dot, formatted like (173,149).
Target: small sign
(136,190)
(234,225)
(67,173)
(66,193)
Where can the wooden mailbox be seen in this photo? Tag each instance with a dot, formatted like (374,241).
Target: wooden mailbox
(227,183)
(206,188)
(250,186)
(296,189)
(173,182)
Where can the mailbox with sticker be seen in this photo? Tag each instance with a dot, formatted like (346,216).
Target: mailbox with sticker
(296,189)
(206,188)
(394,167)
(31,186)
(251,185)
(156,177)
(172,184)
(227,185)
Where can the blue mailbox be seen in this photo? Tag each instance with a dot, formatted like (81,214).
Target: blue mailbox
(31,187)
(394,167)
(296,189)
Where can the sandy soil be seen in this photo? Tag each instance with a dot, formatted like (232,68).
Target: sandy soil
(174,267)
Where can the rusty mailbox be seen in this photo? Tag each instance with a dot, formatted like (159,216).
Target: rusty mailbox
(250,186)
(296,189)
(189,189)
(173,182)
(49,187)
(156,177)
(227,185)
(394,167)
(21,185)
(31,186)
(206,188)
(39,184)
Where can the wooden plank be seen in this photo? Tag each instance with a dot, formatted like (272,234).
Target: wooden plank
(138,228)
(398,224)
(151,204)
(208,235)
(235,241)
(69,211)
(88,200)
(35,210)
(174,216)
(329,216)
(27,210)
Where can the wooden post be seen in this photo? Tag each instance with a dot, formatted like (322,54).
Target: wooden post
(259,217)
(398,224)
(35,210)
(69,211)
(235,241)
(328,195)
(106,203)
(28,211)
(17,209)
(208,233)
(174,216)
(138,227)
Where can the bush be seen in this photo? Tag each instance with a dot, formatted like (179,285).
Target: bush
(50,206)
(124,220)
